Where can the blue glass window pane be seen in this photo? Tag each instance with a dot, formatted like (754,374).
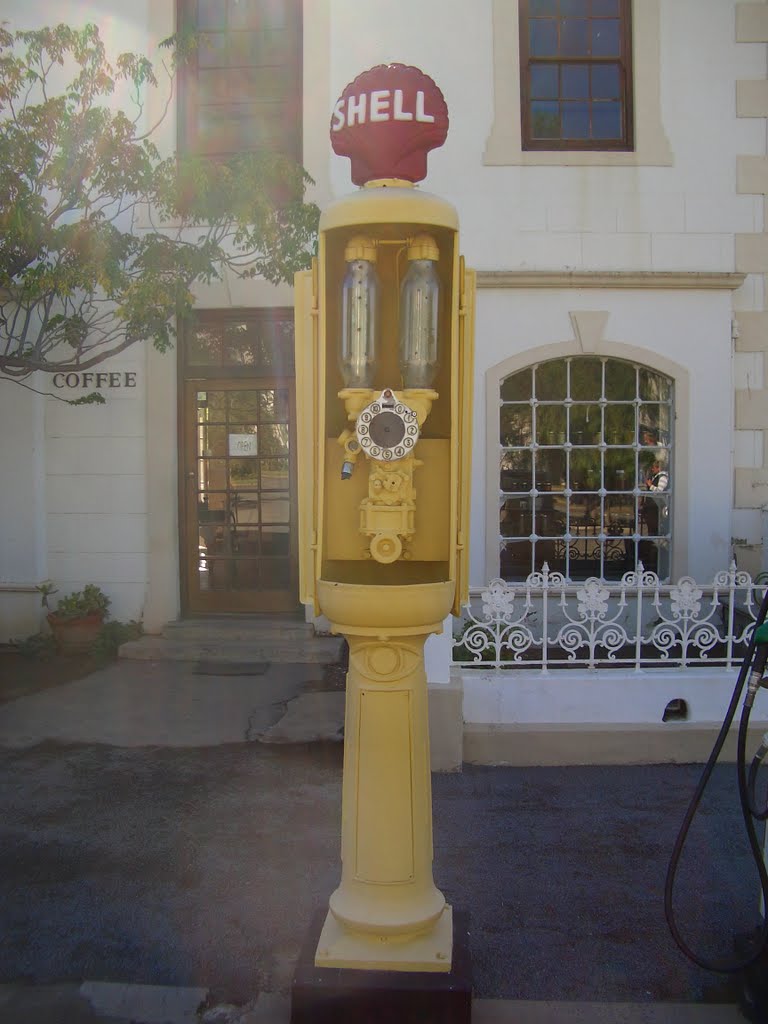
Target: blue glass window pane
(605,8)
(576,82)
(605,38)
(543,7)
(606,121)
(544,82)
(605,81)
(573,7)
(543,38)
(573,37)
(545,119)
(576,120)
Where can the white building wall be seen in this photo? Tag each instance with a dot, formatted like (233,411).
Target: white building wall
(22,503)
(681,211)
(658,328)
(96,505)
(598,216)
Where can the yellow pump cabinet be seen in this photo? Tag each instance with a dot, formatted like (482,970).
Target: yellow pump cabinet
(384,337)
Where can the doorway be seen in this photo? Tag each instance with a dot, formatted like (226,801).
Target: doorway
(239,510)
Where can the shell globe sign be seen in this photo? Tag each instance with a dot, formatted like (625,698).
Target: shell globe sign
(386,121)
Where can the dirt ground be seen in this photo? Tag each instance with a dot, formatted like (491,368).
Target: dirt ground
(22,674)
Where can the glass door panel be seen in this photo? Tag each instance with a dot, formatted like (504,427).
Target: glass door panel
(242,520)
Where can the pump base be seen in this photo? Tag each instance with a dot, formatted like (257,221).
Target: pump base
(332,995)
(429,952)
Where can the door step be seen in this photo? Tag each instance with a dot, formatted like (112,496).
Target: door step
(237,640)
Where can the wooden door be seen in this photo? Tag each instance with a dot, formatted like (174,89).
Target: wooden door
(239,536)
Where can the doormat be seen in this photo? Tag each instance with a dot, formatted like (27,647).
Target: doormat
(231,668)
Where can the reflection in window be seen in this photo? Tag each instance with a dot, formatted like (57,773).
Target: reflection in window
(576,76)
(240,89)
(262,343)
(585,469)
(243,487)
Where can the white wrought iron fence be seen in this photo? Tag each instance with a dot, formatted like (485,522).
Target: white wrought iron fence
(634,623)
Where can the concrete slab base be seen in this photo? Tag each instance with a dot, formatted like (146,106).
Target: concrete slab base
(150,1004)
(323,995)
(50,1004)
(571,743)
(446,725)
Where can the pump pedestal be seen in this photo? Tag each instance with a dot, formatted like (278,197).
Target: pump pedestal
(387,913)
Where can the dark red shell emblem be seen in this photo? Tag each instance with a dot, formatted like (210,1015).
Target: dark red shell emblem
(386,122)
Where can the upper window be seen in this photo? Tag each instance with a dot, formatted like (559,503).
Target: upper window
(241,91)
(585,469)
(576,74)
(255,343)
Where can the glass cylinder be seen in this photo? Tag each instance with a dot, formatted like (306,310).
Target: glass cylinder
(359,315)
(419,308)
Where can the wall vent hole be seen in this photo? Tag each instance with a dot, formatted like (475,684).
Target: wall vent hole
(676,711)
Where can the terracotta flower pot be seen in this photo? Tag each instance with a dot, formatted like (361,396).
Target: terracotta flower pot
(75,636)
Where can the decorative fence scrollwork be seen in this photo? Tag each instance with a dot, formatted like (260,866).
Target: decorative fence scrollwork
(636,622)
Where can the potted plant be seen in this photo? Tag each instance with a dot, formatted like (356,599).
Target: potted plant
(78,618)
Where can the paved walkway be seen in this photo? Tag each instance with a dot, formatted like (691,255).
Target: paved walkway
(172,704)
(151,705)
(98,1003)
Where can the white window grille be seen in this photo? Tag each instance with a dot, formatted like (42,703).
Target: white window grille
(585,469)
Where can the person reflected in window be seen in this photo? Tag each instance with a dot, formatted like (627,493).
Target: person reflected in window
(655,511)
(657,478)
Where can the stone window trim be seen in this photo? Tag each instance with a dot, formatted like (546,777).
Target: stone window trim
(504,145)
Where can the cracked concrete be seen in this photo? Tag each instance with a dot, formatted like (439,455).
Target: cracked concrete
(309,718)
(166,704)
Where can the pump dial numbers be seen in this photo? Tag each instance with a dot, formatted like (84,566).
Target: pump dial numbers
(387,431)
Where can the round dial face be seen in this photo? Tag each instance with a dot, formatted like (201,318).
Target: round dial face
(386,429)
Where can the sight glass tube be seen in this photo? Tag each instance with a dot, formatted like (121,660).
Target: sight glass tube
(419,308)
(359,314)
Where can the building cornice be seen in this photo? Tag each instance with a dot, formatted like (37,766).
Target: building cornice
(651,279)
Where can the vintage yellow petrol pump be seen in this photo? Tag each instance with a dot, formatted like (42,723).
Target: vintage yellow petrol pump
(384,331)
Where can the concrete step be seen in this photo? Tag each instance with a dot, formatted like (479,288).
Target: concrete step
(320,651)
(239,628)
(246,640)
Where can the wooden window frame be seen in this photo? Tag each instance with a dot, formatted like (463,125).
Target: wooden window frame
(623,144)
(188,96)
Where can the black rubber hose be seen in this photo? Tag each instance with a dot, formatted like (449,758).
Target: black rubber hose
(758,815)
(746,807)
(728,966)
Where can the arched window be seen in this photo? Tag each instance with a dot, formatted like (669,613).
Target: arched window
(585,466)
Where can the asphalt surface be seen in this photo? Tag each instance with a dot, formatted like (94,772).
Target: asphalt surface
(202,865)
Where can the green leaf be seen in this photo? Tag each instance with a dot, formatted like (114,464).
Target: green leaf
(94,398)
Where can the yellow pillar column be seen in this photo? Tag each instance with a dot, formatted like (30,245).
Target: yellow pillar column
(387,912)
